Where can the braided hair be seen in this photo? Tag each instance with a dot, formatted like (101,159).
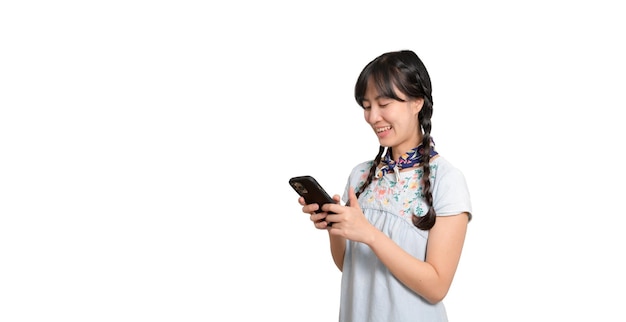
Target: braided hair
(404,70)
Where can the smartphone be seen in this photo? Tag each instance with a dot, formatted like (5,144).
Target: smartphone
(311,191)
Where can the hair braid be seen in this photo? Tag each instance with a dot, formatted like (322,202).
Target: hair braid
(370,176)
(427,221)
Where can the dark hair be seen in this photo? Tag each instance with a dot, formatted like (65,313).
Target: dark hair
(404,70)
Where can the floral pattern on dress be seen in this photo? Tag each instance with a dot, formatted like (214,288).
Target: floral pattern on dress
(406,195)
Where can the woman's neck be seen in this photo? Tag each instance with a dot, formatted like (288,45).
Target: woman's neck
(405,147)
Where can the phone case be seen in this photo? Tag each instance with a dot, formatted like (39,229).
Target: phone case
(310,190)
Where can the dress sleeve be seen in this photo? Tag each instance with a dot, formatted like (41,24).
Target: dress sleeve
(356,179)
(345,197)
(450,193)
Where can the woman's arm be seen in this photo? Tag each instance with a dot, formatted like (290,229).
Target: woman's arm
(337,249)
(430,278)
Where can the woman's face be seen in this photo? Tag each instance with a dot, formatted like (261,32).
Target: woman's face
(394,122)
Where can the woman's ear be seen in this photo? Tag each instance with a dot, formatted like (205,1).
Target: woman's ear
(417,104)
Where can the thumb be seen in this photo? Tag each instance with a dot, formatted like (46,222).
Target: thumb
(354,201)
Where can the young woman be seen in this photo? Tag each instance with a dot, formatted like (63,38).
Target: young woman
(398,238)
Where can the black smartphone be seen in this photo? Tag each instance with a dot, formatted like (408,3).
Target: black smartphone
(311,191)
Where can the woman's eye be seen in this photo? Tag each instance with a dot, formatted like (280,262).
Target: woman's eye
(384,103)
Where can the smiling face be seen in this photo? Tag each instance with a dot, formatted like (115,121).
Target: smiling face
(395,122)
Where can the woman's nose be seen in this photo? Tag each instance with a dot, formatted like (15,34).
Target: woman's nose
(372,115)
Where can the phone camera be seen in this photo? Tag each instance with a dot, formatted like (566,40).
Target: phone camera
(300,188)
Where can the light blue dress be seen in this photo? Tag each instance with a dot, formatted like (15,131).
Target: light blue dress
(369,292)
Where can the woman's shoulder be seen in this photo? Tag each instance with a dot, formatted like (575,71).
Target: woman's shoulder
(443,166)
(363,166)
(359,173)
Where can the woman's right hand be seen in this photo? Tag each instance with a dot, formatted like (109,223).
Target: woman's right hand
(316,218)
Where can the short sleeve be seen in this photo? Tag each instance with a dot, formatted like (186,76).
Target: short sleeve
(357,178)
(450,192)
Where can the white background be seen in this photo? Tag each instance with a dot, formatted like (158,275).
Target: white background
(146,147)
